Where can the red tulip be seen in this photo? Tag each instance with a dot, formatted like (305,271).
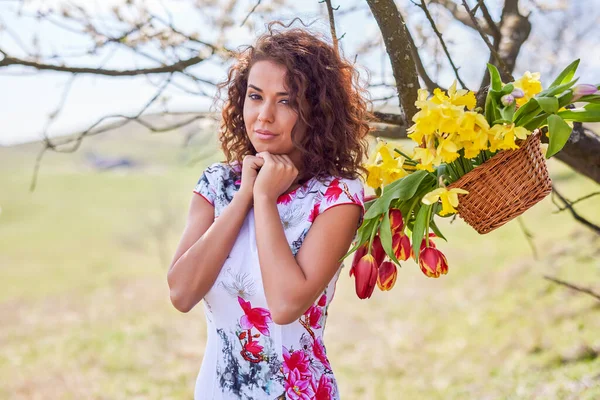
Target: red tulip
(365,275)
(396,221)
(401,246)
(424,244)
(377,250)
(432,262)
(386,275)
(358,254)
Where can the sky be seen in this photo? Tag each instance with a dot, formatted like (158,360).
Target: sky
(27,97)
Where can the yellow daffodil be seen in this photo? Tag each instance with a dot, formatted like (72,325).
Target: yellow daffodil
(502,137)
(449,199)
(462,97)
(448,149)
(530,84)
(385,165)
(473,132)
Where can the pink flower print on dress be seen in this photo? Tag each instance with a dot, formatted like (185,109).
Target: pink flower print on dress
(285,199)
(298,360)
(334,190)
(258,318)
(324,390)
(254,348)
(313,316)
(314,213)
(319,352)
(322,301)
(298,387)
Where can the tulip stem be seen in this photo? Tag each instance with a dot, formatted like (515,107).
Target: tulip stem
(375,227)
(427,221)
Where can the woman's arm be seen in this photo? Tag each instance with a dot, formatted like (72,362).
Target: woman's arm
(203,249)
(292,284)
(206,242)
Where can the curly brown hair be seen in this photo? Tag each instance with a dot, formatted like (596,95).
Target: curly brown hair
(325,92)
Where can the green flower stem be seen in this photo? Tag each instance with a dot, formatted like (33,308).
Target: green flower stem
(403,155)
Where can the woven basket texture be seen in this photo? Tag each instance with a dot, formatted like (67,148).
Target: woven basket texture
(504,187)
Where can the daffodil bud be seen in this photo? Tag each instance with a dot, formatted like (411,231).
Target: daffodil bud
(517,93)
(507,100)
(583,89)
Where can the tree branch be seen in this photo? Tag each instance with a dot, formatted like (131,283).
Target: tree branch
(460,15)
(439,35)
(572,286)
(176,67)
(575,215)
(499,60)
(429,83)
(395,37)
(332,25)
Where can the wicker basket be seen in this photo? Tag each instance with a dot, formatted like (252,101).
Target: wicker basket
(504,187)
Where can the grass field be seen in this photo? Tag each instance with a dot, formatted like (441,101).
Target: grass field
(85,312)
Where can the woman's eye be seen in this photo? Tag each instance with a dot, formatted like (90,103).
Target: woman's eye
(254,96)
(285,101)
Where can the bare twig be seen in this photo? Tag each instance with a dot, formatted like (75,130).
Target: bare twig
(332,25)
(572,203)
(489,20)
(575,215)
(429,83)
(178,66)
(251,12)
(572,286)
(528,236)
(461,16)
(497,57)
(423,6)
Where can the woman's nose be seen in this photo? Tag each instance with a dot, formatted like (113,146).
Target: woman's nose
(266,113)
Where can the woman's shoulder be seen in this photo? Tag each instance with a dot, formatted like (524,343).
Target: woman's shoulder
(339,190)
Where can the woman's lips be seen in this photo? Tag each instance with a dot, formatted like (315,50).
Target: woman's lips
(265,135)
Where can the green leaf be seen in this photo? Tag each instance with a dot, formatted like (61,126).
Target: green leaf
(580,115)
(528,108)
(402,189)
(501,121)
(538,121)
(496,81)
(560,132)
(548,104)
(552,91)
(507,113)
(362,236)
(385,234)
(567,74)
(507,89)
(418,232)
(436,230)
(591,98)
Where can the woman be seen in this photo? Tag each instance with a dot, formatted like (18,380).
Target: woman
(266,229)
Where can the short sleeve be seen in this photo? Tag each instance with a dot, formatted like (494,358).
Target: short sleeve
(341,191)
(207,184)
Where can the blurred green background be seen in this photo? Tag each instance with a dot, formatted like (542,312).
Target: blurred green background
(85,310)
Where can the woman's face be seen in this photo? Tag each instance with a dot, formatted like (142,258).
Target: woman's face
(268,116)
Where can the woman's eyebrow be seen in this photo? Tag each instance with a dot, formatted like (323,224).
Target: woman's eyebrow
(260,90)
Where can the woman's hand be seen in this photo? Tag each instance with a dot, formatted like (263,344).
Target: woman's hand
(250,167)
(276,176)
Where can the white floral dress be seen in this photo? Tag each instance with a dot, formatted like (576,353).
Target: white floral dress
(247,355)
